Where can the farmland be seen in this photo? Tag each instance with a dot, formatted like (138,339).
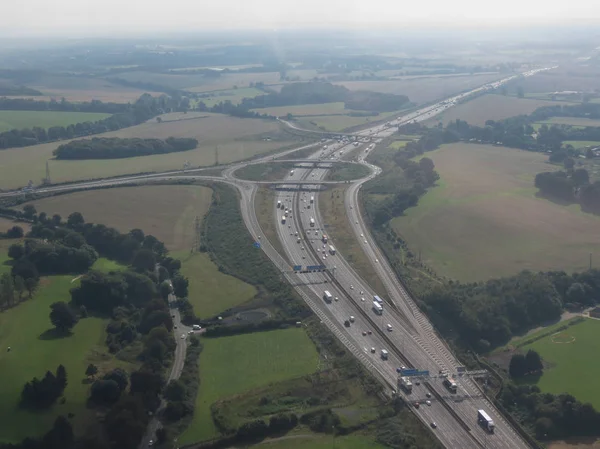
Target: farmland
(76,88)
(312,441)
(45,119)
(573,121)
(232,138)
(423,89)
(33,354)
(568,352)
(490,107)
(483,219)
(233,95)
(564,78)
(169,213)
(166,212)
(263,358)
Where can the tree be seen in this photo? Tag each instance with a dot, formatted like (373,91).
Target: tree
(533,361)
(7,289)
(520,92)
(62,317)
(569,163)
(61,377)
(577,293)
(60,436)
(180,286)
(175,390)
(144,260)
(29,211)
(518,366)
(164,289)
(105,392)
(16,232)
(56,220)
(580,177)
(19,285)
(589,154)
(119,376)
(16,251)
(31,284)
(75,220)
(91,370)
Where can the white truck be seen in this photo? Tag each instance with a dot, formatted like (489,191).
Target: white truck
(355,144)
(485,421)
(331,250)
(283,219)
(378,299)
(377,308)
(450,384)
(405,383)
(327,297)
(278,204)
(312,199)
(384,354)
(324,238)
(291,172)
(312,222)
(196,327)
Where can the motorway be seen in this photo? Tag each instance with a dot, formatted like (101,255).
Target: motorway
(412,341)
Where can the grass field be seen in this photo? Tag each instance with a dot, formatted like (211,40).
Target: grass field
(423,89)
(570,354)
(337,123)
(232,138)
(564,78)
(573,121)
(316,441)
(267,171)
(7,223)
(211,291)
(167,212)
(22,328)
(306,109)
(45,119)
(490,107)
(230,365)
(347,172)
(483,219)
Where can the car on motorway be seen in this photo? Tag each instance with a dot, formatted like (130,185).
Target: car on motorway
(417,405)
(151,443)
(364,333)
(182,336)
(433,424)
(352,319)
(428,403)
(428,395)
(389,327)
(372,350)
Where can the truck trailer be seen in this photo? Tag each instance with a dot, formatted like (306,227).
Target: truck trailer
(450,384)
(384,354)
(331,250)
(485,421)
(378,299)
(377,308)
(327,297)
(405,383)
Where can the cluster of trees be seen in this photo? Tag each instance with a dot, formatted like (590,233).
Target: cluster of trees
(54,257)
(40,394)
(524,364)
(107,390)
(115,148)
(487,314)
(319,92)
(572,185)
(16,232)
(28,104)
(13,286)
(235,110)
(145,108)
(549,416)
(59,437)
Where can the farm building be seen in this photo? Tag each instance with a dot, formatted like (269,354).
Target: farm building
(595,312)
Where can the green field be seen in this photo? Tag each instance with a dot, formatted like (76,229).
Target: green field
(106,265)
(316,441)
(397,144)
(23,328)
(230,365)
(210,291)
(337,123)
(233,95)
(45,119)
(581,143)
(571,353)
(483,219)
(270,171)
(573,121)
(228,138)
(348,172)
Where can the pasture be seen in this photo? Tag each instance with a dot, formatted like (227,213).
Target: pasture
(234,95)
(320,441)
(210,291)
(34,351)
(564,78)
(489,107)
(423,89)
(573,121)
(269,171)
(483,219)
(166,212)
(229,138)
(232,365)
(45,119)
(337,123)
(568,353)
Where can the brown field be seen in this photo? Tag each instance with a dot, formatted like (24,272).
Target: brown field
(236,139)
(579,443)
(76,89)
(483,220)
(166,212)
(7,223)
(490,107)
(576,78)
(422,89)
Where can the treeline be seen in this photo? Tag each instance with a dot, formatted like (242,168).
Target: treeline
(29,104)
(235,110)
(40,394)
(145,108)
(116,148)
(487,314)
(549,416)
(53,257)
(318,93)
(13,90)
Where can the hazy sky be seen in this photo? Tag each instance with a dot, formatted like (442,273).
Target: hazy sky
(105,17)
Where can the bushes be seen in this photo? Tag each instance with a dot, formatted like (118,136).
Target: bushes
(41,394)
(221,331)
(116,148)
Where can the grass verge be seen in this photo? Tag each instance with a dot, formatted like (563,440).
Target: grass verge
(264,205)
